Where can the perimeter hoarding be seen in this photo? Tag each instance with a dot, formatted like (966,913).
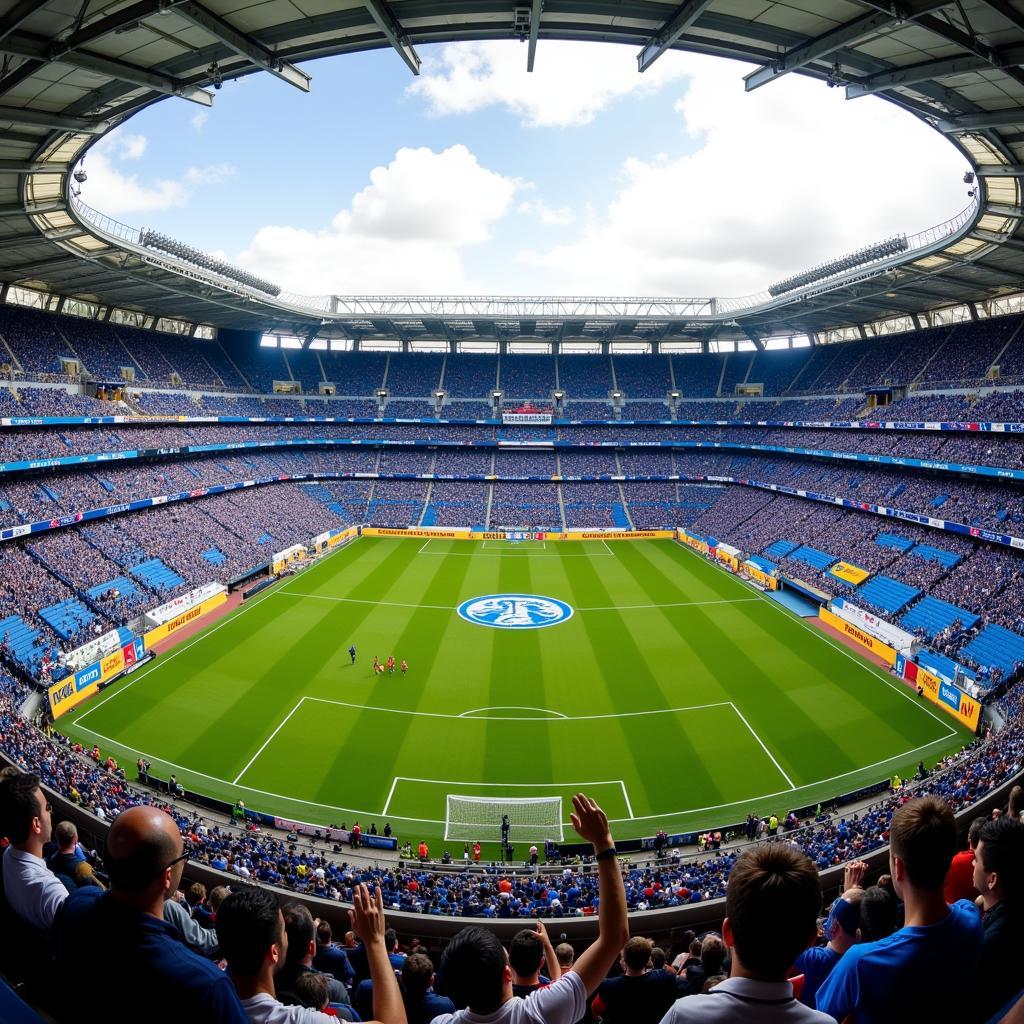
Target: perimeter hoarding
(866,640)
(964,708)
(71,691)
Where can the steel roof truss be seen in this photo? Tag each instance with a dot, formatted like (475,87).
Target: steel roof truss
(392,29)
(686,14)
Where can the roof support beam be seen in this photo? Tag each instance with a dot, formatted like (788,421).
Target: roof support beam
(752,334)
(1000,171)
(1010,13)
(41,266)
(125,18)
(925,72)
(26,69)
(838,38)
(27,46)
(20,12)
(243,44)
(814,49)
(47,119)
(31,167)
(393,32)
(977,122)
(21,210)
(686,14)
(531,52)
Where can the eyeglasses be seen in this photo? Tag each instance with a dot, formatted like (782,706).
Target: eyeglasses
(177,860)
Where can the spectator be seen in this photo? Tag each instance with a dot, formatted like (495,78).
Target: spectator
(70,863)
(201,939)
(999,878)
(300,929)
(878,914)
(529,951)
(422,1004)
(311,991)
(330,958)
(565,955)
(771,906)
(116,948)
(960,880)
(395,954)
(33,891)
(253,936)
(893,978)
(637,994)
(478,975)
(705,961)
(841,930)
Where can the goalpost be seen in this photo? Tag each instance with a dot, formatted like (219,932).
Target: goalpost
(470,818)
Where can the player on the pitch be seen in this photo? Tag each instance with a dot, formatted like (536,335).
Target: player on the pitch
(376,664)
(352,653)
(391,665)
(405,666)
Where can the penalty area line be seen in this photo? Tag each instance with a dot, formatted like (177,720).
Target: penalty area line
(267,741)
(743,719)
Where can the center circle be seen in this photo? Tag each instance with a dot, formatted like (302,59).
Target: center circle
(515,611)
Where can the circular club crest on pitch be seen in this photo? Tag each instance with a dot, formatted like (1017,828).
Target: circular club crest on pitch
(515,611)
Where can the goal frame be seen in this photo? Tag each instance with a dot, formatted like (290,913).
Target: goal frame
(490,831)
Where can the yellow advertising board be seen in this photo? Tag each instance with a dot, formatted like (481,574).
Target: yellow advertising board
(866,640)
(760,576)
(950,698)
(383,531)
(154,636)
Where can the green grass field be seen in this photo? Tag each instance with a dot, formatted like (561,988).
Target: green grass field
(676,695)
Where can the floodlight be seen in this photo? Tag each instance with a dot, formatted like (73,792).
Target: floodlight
(181,251)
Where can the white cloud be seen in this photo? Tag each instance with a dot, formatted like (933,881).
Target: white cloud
(405,231)
(113,190)
(547,215)
(570,85)
(199,120)
(211,174)
(131,146)
(783,178)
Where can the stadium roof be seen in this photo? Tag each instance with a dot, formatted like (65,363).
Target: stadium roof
(73,69)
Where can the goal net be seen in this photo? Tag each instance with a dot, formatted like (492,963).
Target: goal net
(477,817)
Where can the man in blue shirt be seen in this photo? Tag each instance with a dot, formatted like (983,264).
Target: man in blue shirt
(816,963)
(117,959)
(899,977)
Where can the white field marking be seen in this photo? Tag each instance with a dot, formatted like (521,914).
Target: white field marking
(743,719)
(503,718)
(846,652)
(266,743)
(561,552)
(453,608)
(610,552)
(511,707)
(575,786)
(165,658)
(438,821)
(391,793)
(625,796)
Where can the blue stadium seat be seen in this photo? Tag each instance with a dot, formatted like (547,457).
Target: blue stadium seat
(888,594)
(933,616)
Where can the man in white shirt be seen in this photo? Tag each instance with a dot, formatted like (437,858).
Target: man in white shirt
(477,972)
(33,892)
(254,942)
(771,905)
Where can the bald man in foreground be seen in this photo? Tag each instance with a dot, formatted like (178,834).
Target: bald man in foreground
(118,960)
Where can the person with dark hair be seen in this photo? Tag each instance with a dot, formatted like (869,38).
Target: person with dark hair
(707,958)
(771,906)
(301,928)
(476,969)
(529,951)
(422,1004)
(117,957)
(841,930)
(894,978)
(999,878)
(330,957)
(254,941)
(879,914)
(33,891)
(637,994)
(960,879)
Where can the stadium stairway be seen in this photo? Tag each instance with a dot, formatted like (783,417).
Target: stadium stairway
(122,584)
(156,575)
(933,616)
(996,646)
(781,548)
(67,617)
(23,640)
(886,593)
(947,559)
(813,557)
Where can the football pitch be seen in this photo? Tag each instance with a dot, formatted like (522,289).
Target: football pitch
(674,694)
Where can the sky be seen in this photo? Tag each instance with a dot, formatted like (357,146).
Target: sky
(583,178)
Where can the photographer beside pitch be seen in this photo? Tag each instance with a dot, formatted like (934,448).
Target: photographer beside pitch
(477,971)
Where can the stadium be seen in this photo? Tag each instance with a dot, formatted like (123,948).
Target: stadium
(346,589)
